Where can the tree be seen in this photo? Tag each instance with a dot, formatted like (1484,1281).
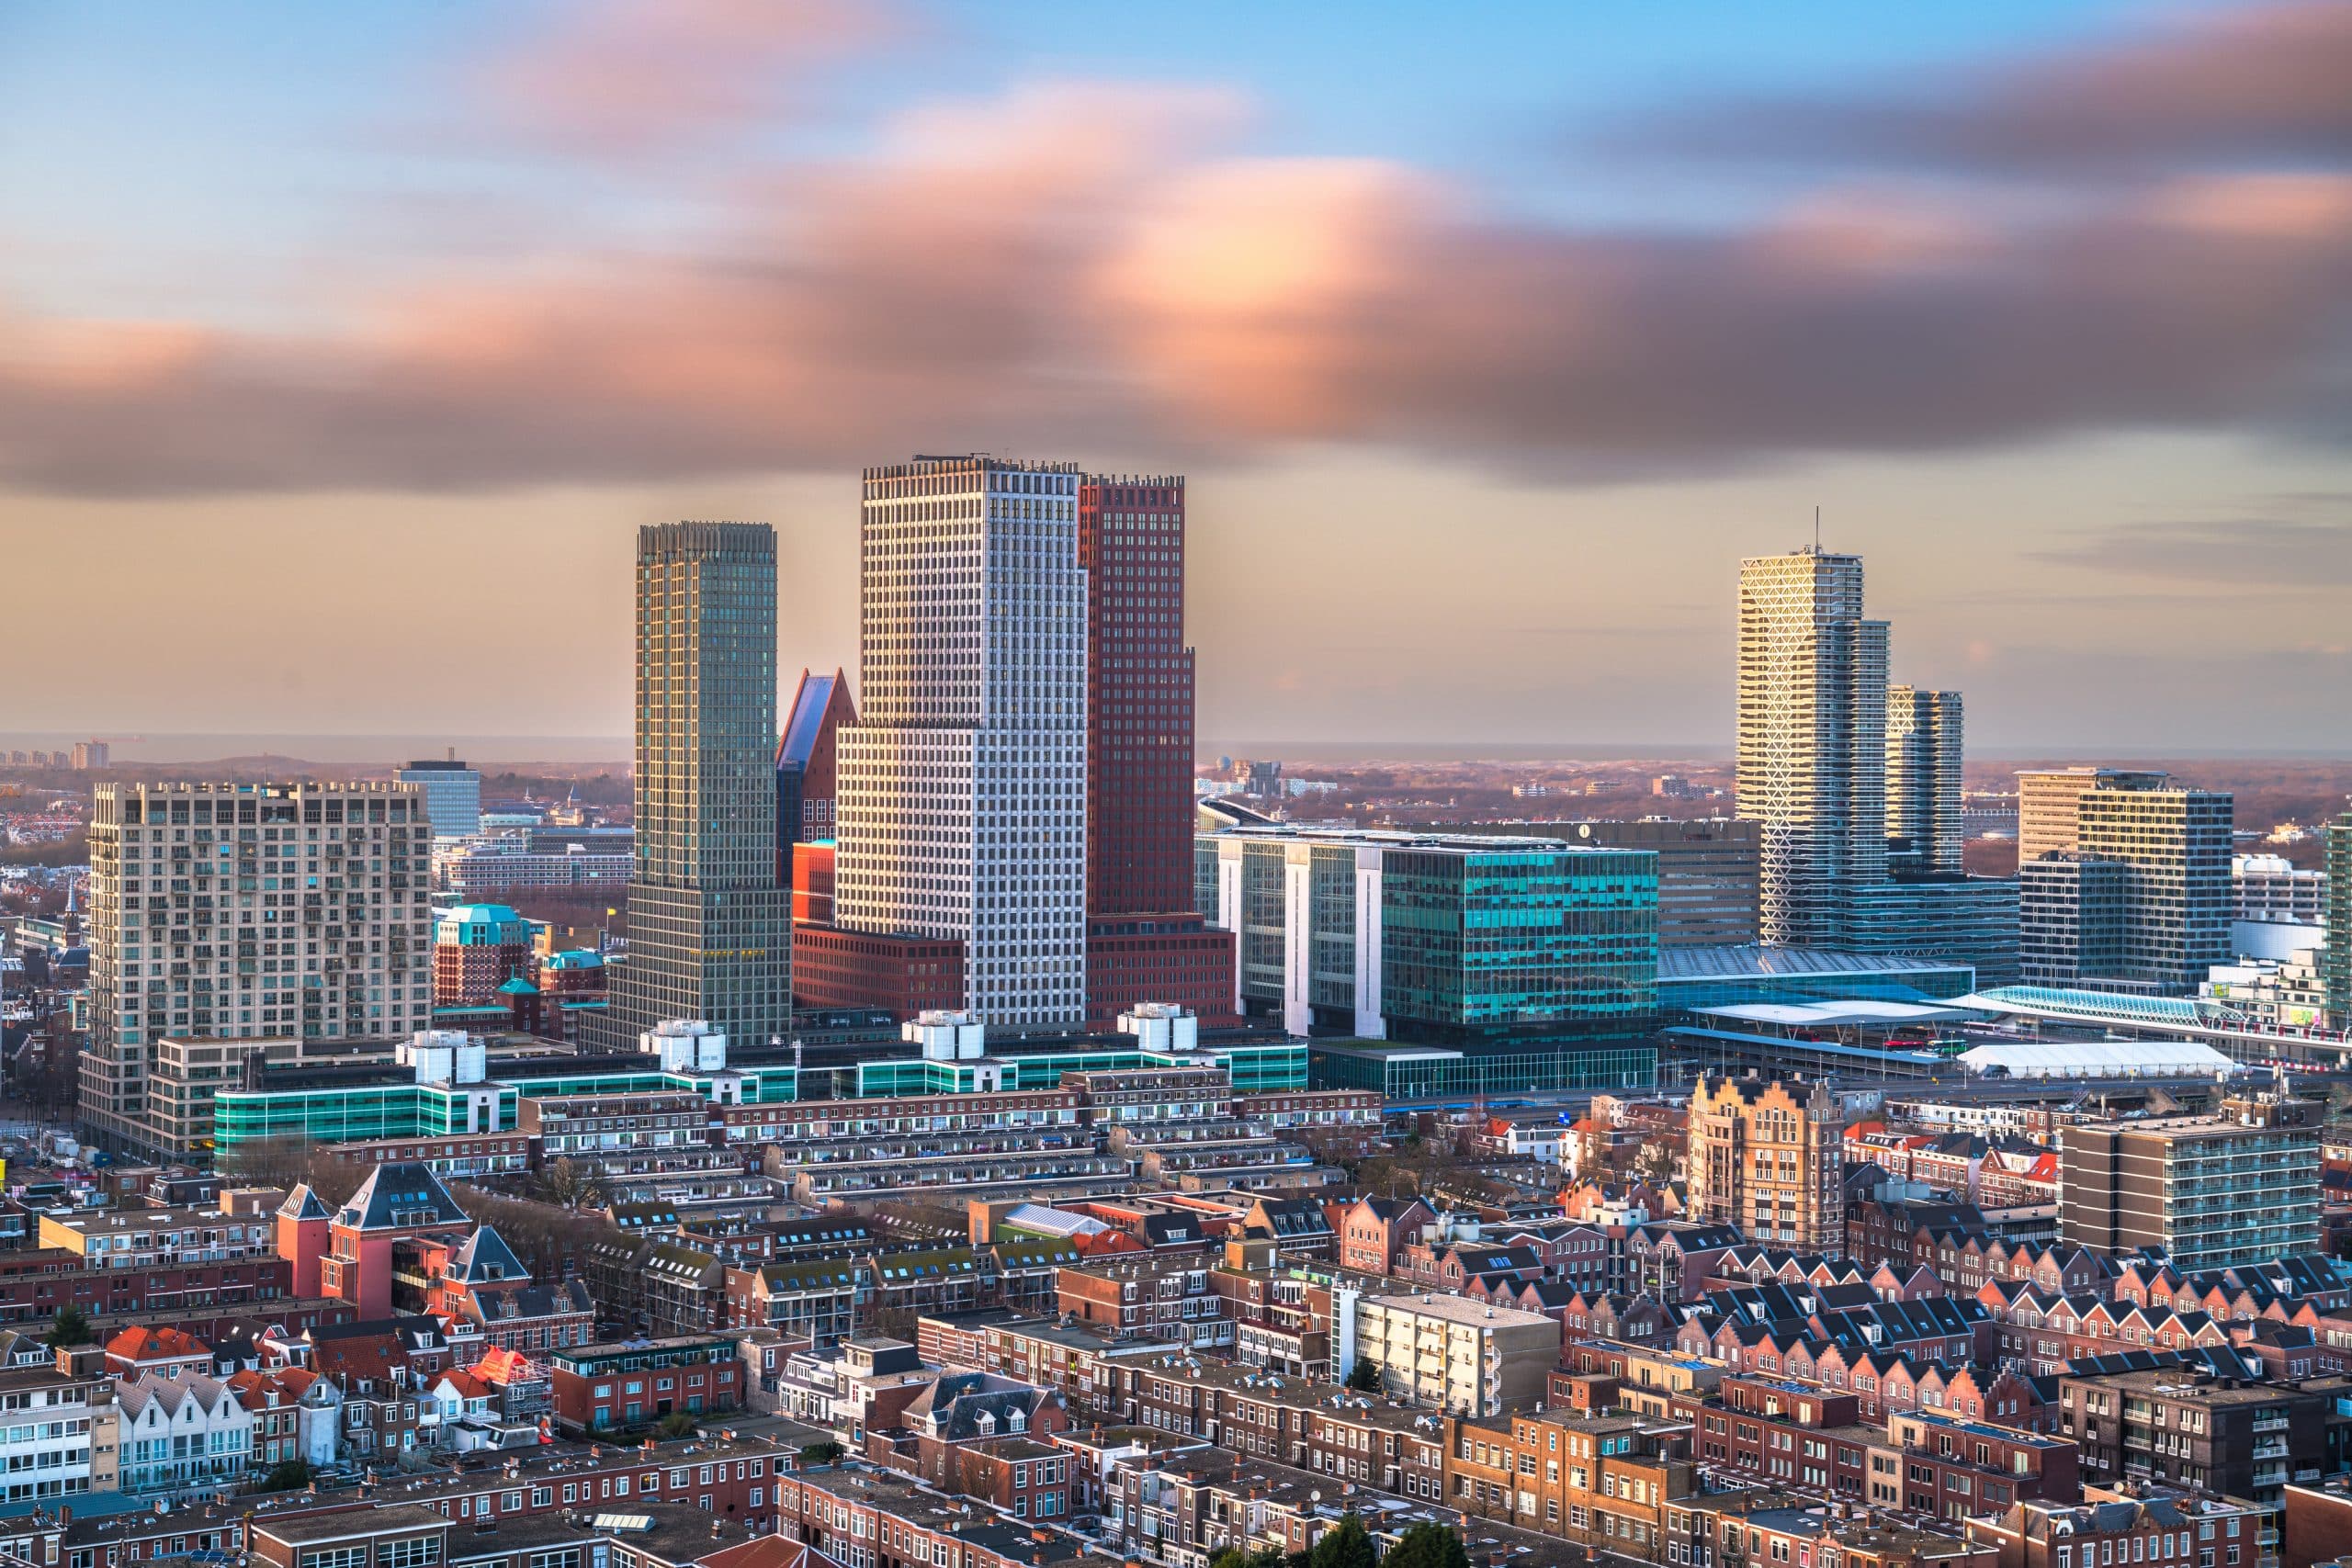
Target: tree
(1235,1557)
(815,1456)
(1655,1161)
(1345,1545)
(288,1475)
(71,1327)
(1364,1376)
(272,1162)
(1428,1546)
(568,1184)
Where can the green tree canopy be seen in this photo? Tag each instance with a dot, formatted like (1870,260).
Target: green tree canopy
(1345,1545)
(71,1327)
(1364,1376)
(1429,1546)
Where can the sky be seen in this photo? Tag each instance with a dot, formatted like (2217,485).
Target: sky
(344,348)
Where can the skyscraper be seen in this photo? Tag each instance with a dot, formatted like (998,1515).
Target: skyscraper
(2140,900)
(2049,814)
(1144,942)
(962,789)
(806,755)
(1923,779)
(2336,956)
(1812,765)
(710,927)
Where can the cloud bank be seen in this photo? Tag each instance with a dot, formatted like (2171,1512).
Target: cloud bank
(1081,265)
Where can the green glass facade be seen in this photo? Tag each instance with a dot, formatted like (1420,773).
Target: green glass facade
(1411,1075)
(1518,943)
(1255,1069)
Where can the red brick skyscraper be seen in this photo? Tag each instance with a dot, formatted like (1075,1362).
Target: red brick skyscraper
(1144,941)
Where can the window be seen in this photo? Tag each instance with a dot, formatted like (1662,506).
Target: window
(417,1552)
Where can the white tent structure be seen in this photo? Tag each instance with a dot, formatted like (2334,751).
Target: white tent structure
(2097,1059)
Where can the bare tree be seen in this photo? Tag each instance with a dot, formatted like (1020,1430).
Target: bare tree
(570,1185)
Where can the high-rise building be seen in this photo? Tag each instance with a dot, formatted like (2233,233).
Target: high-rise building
(2049,817)
(246,911)
(2214,1191)
(709,924)
(1812,765)
(452,794)
(962,789)
(477,948)
(1533,947)
(805,763)
(1769,1158)
(2335,952)
(1923,779)
(1144,942)
(1706,868)
(2143,901)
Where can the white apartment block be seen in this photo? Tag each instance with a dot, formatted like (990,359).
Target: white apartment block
(181,1433)
(1457,1354)
(48,1421)
(249,912)
(961,801)
(1813,740)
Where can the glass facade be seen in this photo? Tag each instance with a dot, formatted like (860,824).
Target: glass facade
(2335,960)
(1518,943)
(1412,1075)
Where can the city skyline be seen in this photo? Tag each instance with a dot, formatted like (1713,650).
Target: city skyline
(2036,302)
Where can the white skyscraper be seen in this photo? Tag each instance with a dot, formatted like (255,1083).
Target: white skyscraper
(961,794)
(1924,732)
(1811,742)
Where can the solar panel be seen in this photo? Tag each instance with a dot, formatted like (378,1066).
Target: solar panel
(621,1521)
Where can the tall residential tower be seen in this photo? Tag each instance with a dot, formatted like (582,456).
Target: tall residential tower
(962,789)
(710,927)
(1812,765)
(1923,779)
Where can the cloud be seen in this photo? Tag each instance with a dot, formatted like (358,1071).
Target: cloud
(2260,84)
(1075,266)
(2252,552)
(638,76)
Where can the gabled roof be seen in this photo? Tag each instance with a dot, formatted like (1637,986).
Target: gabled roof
(486,1257)
(399,1195)
(302,1203)
(806,724)
(155,1344)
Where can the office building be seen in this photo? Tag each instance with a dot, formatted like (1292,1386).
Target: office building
(2141,901)
(962,788)
(1942,916)
(2049,814)
(805,765)
(1530,947)
(246,911)
(1769,1158)
(477,948)
(1706,869)
(1145,941)
(1812,765)
(452,794)
(2336,951)
(2213,1192)
(709,925)
(1923,779)
(482,870)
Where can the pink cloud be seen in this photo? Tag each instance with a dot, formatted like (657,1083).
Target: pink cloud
(1068,268)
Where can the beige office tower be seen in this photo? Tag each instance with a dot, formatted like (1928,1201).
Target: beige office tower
(2049,804)
(1811,742)
(961,803)
(1769,1159)
(248,911)
(1923,777)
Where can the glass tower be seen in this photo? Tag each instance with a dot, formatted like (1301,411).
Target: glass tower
(710,927)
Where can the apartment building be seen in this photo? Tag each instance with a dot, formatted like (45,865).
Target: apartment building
(2213,1192)
(2183,1428)
(247,913)
(1453,1354)
(1602,1480)
(1769,1158)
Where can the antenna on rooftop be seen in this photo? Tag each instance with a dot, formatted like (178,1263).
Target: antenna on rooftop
(1816,528)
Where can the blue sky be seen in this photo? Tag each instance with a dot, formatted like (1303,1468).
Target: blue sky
(2044,303)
